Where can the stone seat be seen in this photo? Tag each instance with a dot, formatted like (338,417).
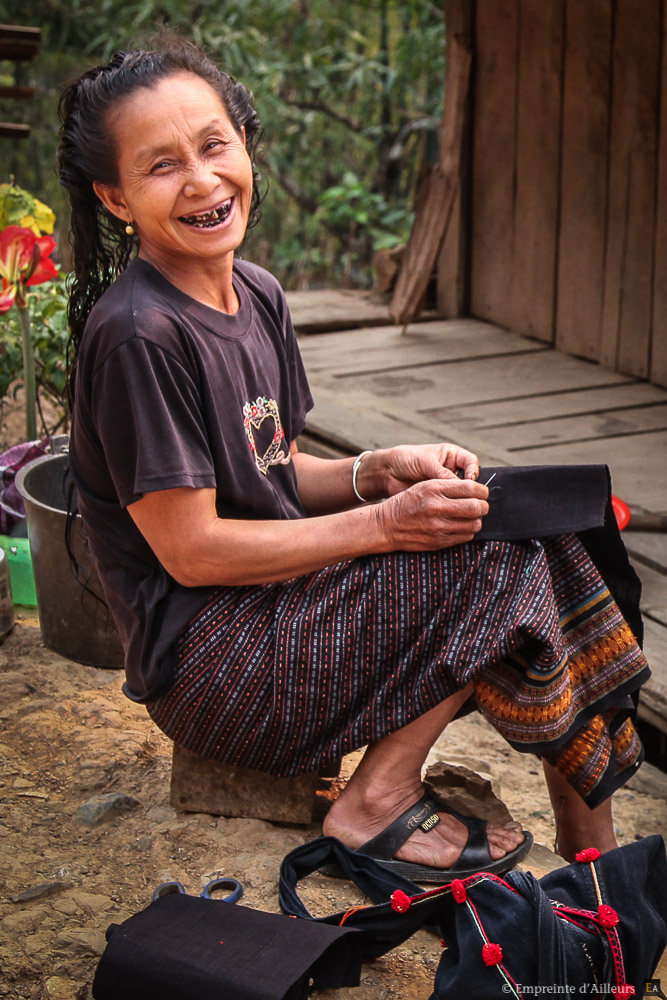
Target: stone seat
(199,784)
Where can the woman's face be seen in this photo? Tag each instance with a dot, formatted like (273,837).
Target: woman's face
(185,178)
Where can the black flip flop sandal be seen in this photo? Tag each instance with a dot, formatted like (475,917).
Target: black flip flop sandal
(423,815)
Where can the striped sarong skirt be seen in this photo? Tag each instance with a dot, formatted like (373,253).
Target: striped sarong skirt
(287,677)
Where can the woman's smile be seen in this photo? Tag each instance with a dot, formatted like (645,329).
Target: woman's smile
(213,218)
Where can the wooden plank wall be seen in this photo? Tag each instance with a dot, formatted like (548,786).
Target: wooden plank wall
(568,215)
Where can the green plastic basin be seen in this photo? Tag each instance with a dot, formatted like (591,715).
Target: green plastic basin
(21,575)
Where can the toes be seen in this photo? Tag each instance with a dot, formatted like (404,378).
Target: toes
(504,839)
(496,851)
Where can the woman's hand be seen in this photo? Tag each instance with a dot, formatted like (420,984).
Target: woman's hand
(390,471)
(431,515)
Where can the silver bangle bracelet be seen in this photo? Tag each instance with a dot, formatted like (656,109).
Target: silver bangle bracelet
(355,470)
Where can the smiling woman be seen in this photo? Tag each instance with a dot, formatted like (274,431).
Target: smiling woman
(278,610)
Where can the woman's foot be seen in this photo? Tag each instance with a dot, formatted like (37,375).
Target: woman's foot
(387,781)
(358,815)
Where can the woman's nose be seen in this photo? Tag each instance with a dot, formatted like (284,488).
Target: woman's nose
(200,178)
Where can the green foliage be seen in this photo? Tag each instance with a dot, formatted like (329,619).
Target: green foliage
(341,88)
(48,305)
(351,206)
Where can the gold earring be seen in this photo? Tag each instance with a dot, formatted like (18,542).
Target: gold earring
(129,228)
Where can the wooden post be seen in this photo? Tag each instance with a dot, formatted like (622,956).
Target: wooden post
(532,264)
(658,371)
(453,286)
(585,157)
(627,304)
(493,160)
(438,198)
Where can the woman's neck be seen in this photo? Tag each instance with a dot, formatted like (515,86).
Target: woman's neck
(207,281)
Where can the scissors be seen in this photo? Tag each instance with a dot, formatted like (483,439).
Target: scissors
(232,884)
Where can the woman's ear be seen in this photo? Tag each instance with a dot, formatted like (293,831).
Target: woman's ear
(112,200)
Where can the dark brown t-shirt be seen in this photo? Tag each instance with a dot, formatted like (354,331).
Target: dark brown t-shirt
(172,393)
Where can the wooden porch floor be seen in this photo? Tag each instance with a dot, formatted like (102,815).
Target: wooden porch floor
(512,400)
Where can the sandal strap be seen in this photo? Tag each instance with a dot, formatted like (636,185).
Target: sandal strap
(476,853)
(423,815)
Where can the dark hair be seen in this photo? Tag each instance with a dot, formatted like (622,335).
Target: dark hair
(101,247)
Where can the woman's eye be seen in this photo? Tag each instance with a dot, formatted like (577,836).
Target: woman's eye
(162,165)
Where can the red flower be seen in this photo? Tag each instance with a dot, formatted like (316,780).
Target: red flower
(7,296)
(400,901)
(24,260)
(590,854)
(459,891)
(607,916)
(492,954)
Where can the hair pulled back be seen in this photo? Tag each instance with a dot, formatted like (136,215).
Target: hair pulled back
(101,247)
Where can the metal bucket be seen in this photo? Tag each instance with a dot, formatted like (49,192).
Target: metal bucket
(73,618)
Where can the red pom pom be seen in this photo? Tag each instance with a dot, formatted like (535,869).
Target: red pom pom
(608,917)
(492,954)
(590,854)
(459,891)
(400,901)
(623,992)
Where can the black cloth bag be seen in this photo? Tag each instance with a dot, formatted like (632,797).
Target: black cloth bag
(188,948)
(599,922)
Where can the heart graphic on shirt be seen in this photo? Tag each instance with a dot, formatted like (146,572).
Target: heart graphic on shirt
(254,415)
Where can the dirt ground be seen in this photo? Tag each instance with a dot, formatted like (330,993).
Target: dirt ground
(68,734)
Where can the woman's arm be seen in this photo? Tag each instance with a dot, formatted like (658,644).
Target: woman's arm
(325,485)
(200,549)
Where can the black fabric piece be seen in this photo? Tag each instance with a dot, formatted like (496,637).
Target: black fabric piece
(607,550)
(380,927)
(537,501)
(519,913)
(185,947)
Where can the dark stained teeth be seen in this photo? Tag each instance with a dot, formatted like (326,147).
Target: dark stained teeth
(208,219)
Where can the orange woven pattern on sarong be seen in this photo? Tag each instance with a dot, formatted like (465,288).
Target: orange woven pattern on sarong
(588,752)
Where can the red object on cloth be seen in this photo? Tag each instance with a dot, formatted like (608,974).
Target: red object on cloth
(589,854)
(400,901)
(492,954)
(459,891)
(607,915)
